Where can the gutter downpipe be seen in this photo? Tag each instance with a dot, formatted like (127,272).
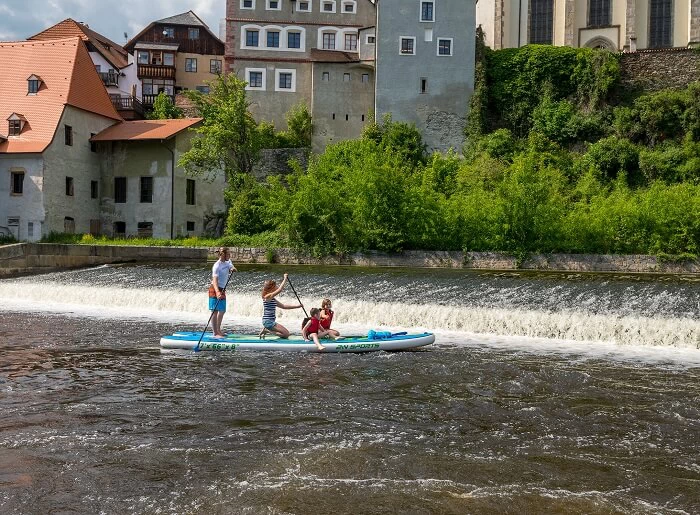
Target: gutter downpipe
(172,188)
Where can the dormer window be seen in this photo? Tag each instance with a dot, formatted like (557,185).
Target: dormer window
(33,84)
(15,124)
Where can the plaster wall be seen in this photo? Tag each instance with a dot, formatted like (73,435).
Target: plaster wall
(203,75)
(126,81)
(485,11)
(29,206)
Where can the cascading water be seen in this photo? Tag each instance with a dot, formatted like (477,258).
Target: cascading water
(617,309)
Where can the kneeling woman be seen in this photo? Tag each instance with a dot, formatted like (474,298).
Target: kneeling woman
(270,304)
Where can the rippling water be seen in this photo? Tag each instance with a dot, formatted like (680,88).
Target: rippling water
(97,420)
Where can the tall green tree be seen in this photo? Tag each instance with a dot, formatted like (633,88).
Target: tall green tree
(164,109)
(228,139)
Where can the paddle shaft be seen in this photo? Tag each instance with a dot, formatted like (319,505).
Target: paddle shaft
(230,273)
(297,296)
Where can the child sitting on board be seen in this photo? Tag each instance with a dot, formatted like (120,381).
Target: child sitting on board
(312,330)
(327,317)
(270,304)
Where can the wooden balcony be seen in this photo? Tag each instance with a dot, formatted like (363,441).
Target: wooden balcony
(154,71)
(149,99)
(130,108)
(109,78)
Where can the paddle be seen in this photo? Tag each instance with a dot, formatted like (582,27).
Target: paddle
(230,273)
(297,296)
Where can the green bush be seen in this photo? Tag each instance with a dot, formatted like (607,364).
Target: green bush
(610,157)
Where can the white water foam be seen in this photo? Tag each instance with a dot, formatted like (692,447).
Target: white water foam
(159,304)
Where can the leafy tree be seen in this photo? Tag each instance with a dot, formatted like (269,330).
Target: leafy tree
(399,138)
(299,126)
(164,109)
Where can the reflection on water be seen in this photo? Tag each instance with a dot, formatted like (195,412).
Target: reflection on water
(97,420)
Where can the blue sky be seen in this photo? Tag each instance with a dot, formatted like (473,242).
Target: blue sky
(20,19)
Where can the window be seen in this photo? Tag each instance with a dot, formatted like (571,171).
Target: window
(168,32)
(120,190)
(215,66)
(371,40)
(304,7)
(190,198)
(146,190)
(17,183)
(145,229)
(119,229)
(169,59)
(408,46)
(351,42)
(427,12)
(93,145)
(30,230)
(428,34)
(444,46)
(190,226)
(329,41)
(255,79)
(541,21)
(203,89)
(33,86)
(294,40)
(15,127)
(192,33)
(326,76)
(191,64)
(365,78)
(348,7)
(327,6)
(251,37)
(285,80)
(423,85)
(274,5)
(660,23)
(98,68)
(599,13)
(273,39)
(68,135)
(157,58)
(94,189)
(346,77)
(69,225)
(247,4)
(143,57)
(69,186)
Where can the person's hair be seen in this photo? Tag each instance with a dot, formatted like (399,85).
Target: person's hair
(314,312)
(325,303)
(221,251)
(268,286)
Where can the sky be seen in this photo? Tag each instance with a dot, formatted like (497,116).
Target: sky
(20,19)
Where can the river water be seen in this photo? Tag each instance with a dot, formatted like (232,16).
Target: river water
(544,393)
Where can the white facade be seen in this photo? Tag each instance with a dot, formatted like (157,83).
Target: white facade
(126,77)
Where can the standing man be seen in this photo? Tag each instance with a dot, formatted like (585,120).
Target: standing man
(220,273)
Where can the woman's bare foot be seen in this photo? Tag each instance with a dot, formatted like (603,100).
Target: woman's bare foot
(262,334)
(219,336)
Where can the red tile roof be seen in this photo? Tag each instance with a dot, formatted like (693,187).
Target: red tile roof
(140,130)
(69,28)
(68,78)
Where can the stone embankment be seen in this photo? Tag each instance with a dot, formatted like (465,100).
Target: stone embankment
(23,258)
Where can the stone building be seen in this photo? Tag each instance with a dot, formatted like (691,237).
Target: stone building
(176,54)
(113,63)
(616,25)
(346,60)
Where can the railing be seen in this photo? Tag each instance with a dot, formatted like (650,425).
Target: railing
(127,104)
(149,99)
(156,71)
(110,78)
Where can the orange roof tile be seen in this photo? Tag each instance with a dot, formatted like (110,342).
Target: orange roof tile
(140,130)
(69,28)
(68,78)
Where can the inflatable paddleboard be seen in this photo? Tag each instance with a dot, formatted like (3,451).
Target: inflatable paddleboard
(374,341)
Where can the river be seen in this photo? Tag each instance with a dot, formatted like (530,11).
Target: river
(544,393)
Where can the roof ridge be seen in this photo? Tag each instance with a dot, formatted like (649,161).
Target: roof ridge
(39,41)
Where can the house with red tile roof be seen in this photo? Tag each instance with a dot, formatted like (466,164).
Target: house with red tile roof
(52,103)
(116,66)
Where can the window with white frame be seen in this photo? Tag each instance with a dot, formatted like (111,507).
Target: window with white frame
(255,77)
(274,5)
(371,39)
(327,6)
(328,41)
(407,45)
(285,80)
(427,10)
(273,39)
(304,7)
(252,38)
(351,42)
(444,46)
(247,4)
(294,39)
(348,6)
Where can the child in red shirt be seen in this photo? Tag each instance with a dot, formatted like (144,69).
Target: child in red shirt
(312,329)
(327,317)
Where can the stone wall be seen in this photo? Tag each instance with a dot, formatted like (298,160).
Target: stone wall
(275,161)
(652,70)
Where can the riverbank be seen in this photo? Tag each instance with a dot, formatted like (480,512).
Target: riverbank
(23,258)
